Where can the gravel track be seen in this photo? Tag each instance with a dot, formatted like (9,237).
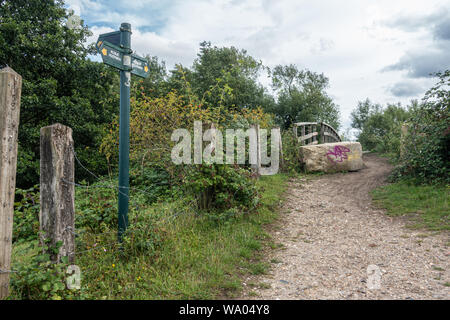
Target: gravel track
(329,234)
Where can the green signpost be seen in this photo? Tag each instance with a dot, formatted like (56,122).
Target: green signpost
(115,49)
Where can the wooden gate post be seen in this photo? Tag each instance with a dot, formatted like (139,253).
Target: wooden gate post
(10,91)
(322,133)
(57,215)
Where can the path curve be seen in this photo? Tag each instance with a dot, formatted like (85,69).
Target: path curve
(330,234)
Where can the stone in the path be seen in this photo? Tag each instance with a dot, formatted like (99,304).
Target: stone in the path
(332,157)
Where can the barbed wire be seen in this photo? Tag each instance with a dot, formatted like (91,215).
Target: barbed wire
(98,178)
(104,246)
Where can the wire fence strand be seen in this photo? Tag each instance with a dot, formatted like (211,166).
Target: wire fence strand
(125,191)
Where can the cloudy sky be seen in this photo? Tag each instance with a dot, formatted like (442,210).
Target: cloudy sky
(383,50)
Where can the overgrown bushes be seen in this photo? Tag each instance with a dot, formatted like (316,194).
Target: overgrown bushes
(222,187)
(426,156)
(291,161)
(422,154)
(152,121)
(26,214)
(39,278)
(380,129)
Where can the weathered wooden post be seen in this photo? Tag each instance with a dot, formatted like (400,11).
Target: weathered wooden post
(10,91)
(57,215)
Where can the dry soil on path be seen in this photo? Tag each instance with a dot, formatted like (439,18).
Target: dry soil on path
(329,234)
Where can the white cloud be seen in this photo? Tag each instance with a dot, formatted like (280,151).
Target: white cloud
(349,41)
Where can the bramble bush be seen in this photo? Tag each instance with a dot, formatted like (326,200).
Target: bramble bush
(96,208)
(291,158)
(223,187)
(144,236)
(427,144)
(152,121)
(154,182)
(40,278)
(26,214)
(380,129)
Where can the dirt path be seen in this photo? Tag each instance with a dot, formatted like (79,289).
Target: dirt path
(330,234)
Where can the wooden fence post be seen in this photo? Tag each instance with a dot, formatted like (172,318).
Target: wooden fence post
(10,91)
(57,215)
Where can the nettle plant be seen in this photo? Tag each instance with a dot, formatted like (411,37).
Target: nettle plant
(26,214)
(40,278)
(222,187)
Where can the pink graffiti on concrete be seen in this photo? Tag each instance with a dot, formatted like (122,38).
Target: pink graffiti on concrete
(338,154)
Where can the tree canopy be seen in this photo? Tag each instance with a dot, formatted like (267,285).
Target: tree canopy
(228,68)
(60,84)
(301,97)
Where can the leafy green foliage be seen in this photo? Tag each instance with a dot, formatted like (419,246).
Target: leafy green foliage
(26,214)
(291,157)
(145,235)
(163,262)
(152,180)
(156,85)
(380,128)
(422,148)
(39,278)
(362,113)
(302,97)
(59,83)
(222,187)
(427,143)
(96,207)
(217,68)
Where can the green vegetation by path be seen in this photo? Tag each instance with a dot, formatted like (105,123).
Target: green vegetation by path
(197,258)
(427,205)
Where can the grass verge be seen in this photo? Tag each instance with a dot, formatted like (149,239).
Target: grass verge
(426,205)
(196,258)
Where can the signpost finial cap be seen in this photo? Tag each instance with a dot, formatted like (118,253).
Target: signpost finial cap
(125,27)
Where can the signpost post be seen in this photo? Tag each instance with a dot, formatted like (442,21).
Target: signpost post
(115,49)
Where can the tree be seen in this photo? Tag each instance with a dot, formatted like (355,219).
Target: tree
(427,143)
(302,97)
(59,83)
(228,76)
(362,113)
(381,131)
